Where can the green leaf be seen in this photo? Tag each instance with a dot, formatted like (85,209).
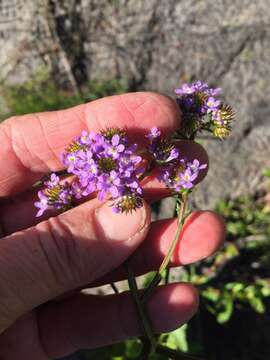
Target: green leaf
(257,305)
(133,348)
(266,173)
(211,294)
(177,339)
(225,315)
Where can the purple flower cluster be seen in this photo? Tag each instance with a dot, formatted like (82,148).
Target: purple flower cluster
(198,98)
(54,196)
(201,109)
(177,173)
(102,163)
(181,175)
(162,150)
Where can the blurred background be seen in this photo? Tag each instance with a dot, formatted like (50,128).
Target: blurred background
(55,54)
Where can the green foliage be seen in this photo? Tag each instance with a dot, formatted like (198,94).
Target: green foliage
(176,340)
(220,302)
(238,275)
(40,93)
(100,88)
(267,173)
(37,94)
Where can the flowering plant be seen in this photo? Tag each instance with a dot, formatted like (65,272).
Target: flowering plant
(105,164)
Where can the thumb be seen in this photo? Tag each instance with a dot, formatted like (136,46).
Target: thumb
(64,253)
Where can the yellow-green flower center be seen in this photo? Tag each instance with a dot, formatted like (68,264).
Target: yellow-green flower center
(107,164)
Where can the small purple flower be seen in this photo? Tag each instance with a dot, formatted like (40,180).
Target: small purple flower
(216,116)
(162,150)
(76,190)
(154,133)
(185,89)
(54,181)
(212,104)
(116,147)
(214,92)
(199,86)
(195,166)
(189,89)
(110,184)
(187,178)
(54,196)
(174,154)
(42,204)
(84,139)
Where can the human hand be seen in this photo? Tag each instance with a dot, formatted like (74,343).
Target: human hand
(42,259)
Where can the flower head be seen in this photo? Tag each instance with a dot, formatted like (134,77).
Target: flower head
(102,163)
(128,203)
(175,172)
(181,175)
(162,150)
(54,196)
(201,109)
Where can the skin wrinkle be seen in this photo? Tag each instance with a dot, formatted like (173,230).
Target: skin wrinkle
(22,298)
(8,178)
(8,130)
(57,267)
(83,119)
(13,143)
(45,136)
(62,124)
(47,257)
(132,115)
(25,148)
(90,113)
(135,108)
(106,249)
(169,116)
(65,243)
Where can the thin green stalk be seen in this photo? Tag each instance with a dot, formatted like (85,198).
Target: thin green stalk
(157,278)
(167,276)
(114,287)
(146,327)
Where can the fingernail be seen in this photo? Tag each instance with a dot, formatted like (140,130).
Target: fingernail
(119,227)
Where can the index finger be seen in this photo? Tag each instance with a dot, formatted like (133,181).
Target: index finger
(32,144)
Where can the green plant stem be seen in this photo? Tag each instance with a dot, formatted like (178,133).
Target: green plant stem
(146,327)
(114,287)
(167,276)
(157,278)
